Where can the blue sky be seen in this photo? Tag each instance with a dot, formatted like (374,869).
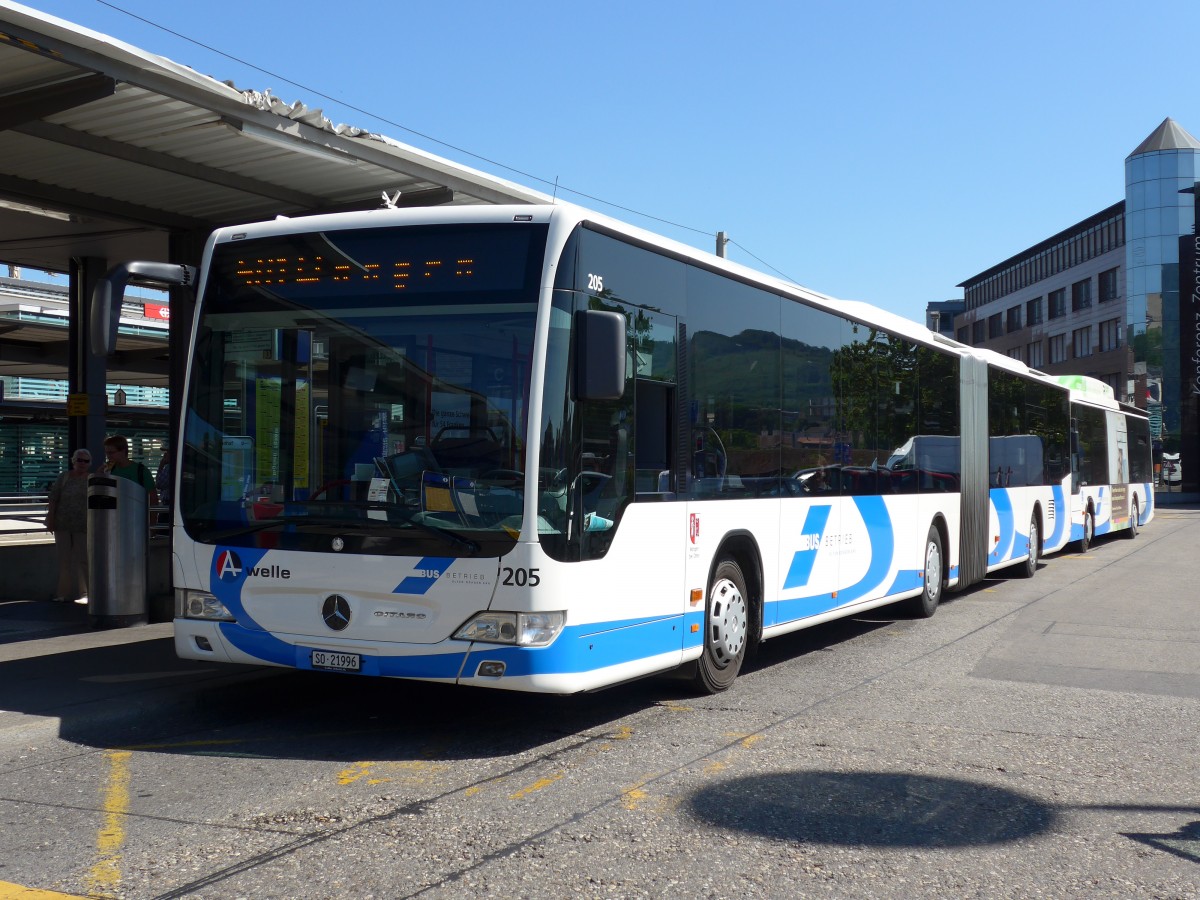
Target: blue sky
(873,151)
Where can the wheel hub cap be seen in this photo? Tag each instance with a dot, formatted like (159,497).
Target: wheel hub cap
(727,622)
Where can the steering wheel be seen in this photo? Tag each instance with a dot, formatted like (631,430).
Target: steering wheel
(503,478)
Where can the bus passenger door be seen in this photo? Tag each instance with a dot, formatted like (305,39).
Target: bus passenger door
(631,446)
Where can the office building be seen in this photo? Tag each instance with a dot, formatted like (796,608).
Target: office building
(1102,298)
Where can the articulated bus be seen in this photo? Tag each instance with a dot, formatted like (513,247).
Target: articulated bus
(537,449)
(1112,468)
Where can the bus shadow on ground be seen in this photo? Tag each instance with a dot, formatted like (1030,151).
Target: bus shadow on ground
(814,639)
(872,809)
(142,696)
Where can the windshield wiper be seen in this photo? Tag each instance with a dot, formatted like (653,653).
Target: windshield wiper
(409,518)
(438,531)
(261,525)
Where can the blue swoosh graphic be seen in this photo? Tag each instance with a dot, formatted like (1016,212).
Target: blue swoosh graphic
(803,560)
(229,590)
(883,547)
(419,584)
(1002,503)
(581,648)
(1061,515)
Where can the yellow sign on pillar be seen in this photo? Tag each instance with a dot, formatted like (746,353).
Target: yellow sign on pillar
(77,404)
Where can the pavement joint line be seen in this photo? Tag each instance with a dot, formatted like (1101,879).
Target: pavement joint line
(89,640)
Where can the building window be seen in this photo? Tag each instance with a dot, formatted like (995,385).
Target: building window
(1058,348)
(1081,341)
(1110,335)
(1108,285)
(1058,303)
(995,326)
(1113,380)
(1017,353)
(1033,312)
(1014,319)
(964,335)
(1034,354)
(1081,295)
(977,332)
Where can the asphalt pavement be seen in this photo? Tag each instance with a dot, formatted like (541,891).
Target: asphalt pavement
(1035,738)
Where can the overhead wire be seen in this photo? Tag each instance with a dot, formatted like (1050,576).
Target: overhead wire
(782,275)
(426,137)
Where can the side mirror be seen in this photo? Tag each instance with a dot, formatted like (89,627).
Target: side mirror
(599,355)
(109,292)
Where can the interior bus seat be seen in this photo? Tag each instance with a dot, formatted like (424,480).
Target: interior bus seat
(465,500)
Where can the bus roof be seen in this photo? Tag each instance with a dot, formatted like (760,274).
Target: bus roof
(852,309)
(1090,388)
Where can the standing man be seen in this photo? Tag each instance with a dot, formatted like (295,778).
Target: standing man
(117,462)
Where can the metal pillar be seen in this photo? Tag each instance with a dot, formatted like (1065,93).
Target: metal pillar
(87,400)
(185,248)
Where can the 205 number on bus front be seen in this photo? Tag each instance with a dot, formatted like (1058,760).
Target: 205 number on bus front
(520,577)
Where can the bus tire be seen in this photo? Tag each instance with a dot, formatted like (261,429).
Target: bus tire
(1089,531)
(926,603)
(726,629)
(1133,521)
(1035,547)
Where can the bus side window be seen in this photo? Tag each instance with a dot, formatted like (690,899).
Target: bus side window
(654,406)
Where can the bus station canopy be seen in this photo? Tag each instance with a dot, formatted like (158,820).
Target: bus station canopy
(108,149)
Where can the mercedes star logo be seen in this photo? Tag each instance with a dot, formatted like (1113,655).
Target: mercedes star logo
(336,612)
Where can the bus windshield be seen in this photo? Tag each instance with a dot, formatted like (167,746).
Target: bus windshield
(363,390)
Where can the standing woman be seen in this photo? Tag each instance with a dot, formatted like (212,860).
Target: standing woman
(67,518)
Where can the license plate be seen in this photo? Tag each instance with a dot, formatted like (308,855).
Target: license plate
(342,662)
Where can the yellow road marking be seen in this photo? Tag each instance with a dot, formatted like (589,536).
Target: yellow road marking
(412,771)
(105,874)
(354,773)
(536,786)
(10,891)
(633,797)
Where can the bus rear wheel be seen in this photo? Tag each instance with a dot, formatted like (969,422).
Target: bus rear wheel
(1035,546)
(926,603)
(1089,531)
(1133,521)
(726,629)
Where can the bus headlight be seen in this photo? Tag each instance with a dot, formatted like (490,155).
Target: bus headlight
(522,629)
(200,605)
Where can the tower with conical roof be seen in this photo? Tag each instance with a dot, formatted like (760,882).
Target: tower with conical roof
(1156,215)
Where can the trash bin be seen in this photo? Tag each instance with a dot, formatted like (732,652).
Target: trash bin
(117,552)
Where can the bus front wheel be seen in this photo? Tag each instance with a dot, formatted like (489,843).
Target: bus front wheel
(726,629)
(926,603)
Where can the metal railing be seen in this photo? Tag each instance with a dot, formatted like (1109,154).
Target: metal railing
(22,515)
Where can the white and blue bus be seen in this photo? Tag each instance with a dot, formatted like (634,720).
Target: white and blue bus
(534,448)
(1112,469)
